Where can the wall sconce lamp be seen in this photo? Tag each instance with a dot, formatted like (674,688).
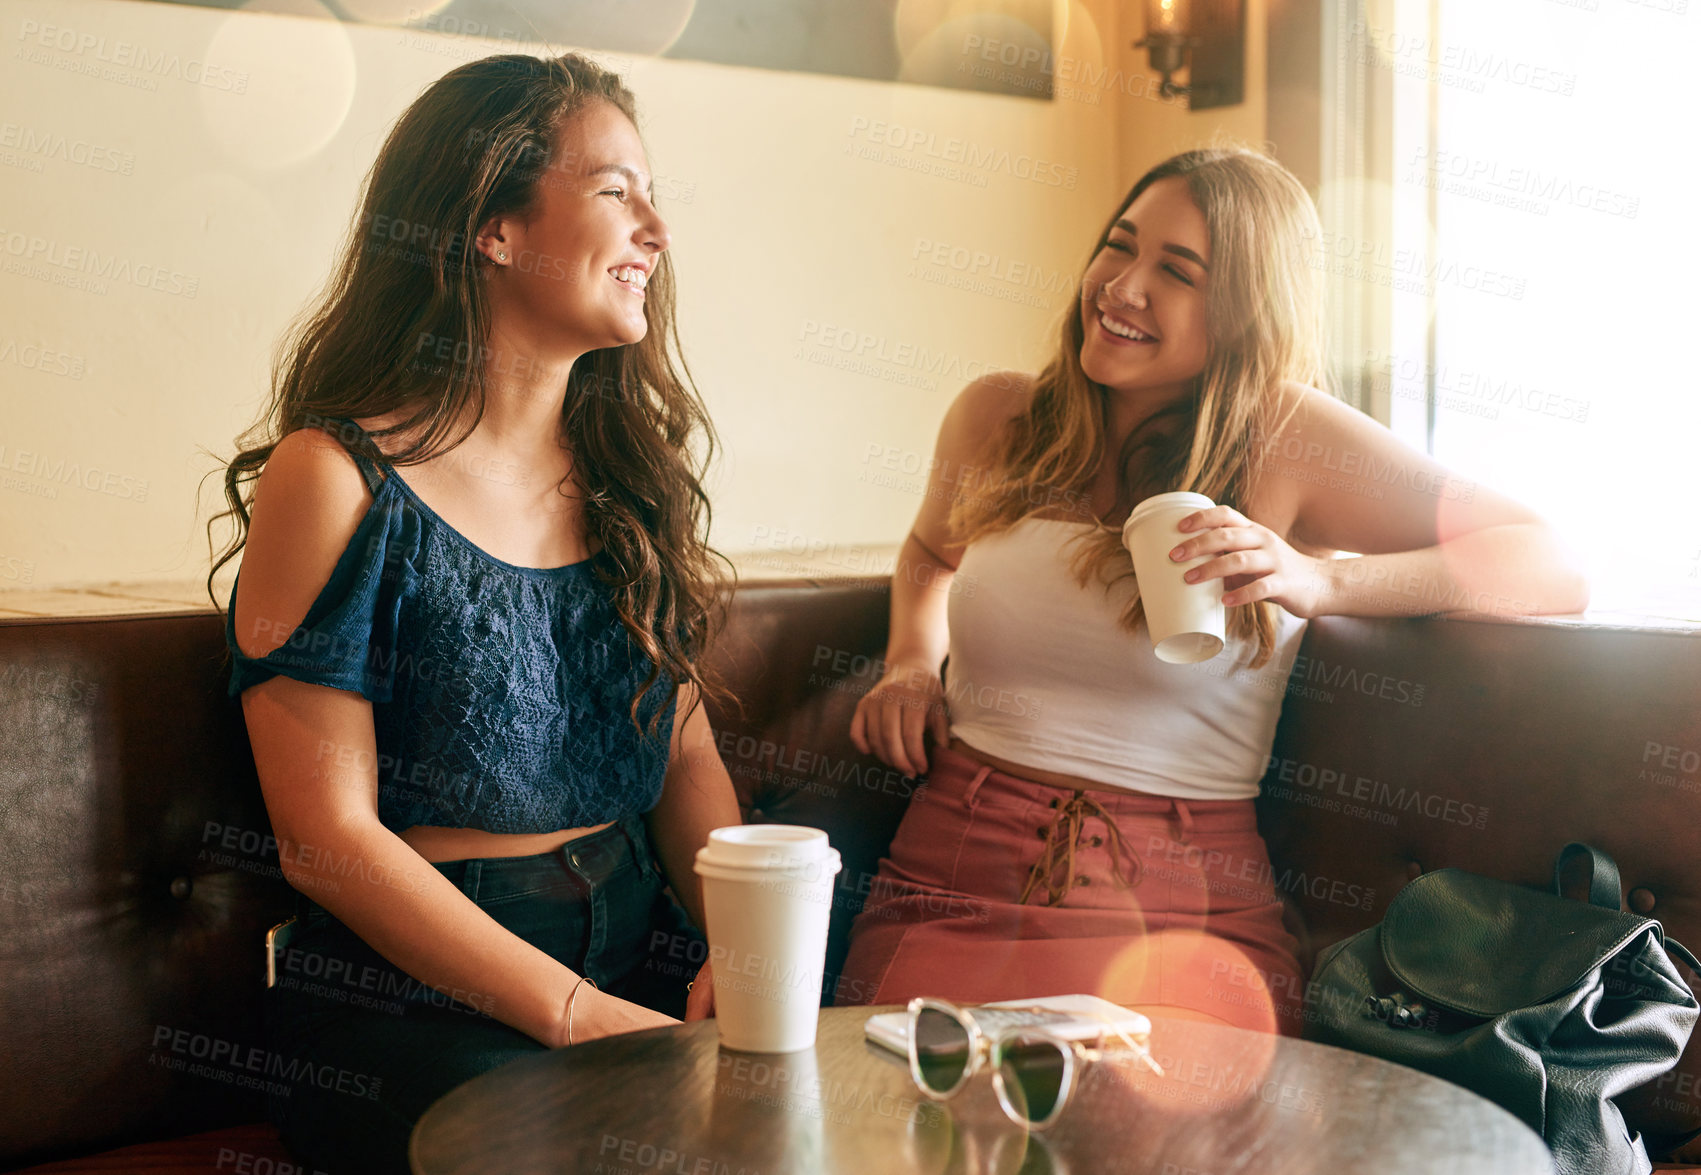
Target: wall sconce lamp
(1205,37)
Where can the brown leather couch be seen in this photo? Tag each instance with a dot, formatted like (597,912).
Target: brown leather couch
(136,881)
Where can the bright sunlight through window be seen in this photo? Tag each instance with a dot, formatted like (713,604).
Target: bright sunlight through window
(1545,189)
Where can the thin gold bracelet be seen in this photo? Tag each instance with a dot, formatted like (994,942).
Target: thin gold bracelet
(583,979)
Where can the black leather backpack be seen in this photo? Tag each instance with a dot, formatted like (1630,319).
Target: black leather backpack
(1549,1007)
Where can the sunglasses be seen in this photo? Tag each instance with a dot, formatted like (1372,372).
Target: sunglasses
(1033,1071)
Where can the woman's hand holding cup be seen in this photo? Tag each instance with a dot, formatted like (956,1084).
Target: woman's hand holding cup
(700,1001)
(1253,561)
(891,718)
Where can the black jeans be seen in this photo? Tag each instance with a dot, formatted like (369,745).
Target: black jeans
(363,1049)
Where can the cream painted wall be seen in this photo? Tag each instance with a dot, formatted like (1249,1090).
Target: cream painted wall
(850,253)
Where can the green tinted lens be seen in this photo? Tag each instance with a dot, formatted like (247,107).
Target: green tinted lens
(941,1049)
(1031,1070)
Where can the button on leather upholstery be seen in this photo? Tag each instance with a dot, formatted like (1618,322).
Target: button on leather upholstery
(1642,900)
(181,887)
(1413,870)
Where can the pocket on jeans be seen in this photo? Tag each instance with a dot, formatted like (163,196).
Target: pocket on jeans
(929,842)
(290,1014)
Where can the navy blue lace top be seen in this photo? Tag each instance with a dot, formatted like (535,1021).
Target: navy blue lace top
(500,695)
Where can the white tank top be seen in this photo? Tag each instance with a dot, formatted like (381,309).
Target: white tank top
(1042,673)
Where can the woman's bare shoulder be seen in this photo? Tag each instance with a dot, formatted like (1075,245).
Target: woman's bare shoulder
(983,407)
(308,503)
(1301,408)
(994,398)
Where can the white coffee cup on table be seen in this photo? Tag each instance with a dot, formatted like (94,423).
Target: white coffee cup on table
(767,899)
(1186,620)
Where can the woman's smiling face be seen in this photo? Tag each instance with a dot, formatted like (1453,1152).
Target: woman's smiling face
(1143,295)
(577,265)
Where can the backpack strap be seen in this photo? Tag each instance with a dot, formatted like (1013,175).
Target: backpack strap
(1673,947)
(1603,891)
(1603,875)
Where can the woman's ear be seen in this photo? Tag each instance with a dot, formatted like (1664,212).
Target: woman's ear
(495,240)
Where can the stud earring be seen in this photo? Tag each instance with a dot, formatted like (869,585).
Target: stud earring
(502,257)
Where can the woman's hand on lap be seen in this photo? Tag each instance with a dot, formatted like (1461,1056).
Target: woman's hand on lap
(1253,561)
(891,718)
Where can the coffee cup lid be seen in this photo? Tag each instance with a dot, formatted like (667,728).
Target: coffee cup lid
(765,846)
(1181,499)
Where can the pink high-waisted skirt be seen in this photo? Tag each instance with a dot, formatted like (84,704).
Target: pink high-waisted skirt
(997,887)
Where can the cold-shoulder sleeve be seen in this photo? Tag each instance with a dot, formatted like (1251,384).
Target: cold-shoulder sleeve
(348,639)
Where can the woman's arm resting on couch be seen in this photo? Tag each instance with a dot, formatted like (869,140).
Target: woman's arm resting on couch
(1431,541)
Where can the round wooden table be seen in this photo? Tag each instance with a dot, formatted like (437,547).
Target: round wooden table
(670,1101)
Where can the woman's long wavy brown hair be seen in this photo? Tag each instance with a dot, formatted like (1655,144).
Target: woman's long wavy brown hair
(408,288)
(1264,326)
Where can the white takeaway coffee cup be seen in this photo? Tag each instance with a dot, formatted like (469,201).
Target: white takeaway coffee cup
(767,898)
(1185,619)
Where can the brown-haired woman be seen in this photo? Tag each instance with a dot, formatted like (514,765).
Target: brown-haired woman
(465,685)
(1087,823)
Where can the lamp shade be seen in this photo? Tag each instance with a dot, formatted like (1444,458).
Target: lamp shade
(1167,16)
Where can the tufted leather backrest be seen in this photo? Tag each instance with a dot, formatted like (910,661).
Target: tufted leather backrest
(798,656)
(1412,745)
(135,885)
(136,882)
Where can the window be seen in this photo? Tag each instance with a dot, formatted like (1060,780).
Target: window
(1540,264)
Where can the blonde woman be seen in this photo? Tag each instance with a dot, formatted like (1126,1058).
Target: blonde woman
(1087,822)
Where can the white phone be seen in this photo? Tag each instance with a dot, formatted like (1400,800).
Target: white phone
(1072,1017)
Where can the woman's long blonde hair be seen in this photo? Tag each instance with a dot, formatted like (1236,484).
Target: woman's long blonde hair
(1264,327)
